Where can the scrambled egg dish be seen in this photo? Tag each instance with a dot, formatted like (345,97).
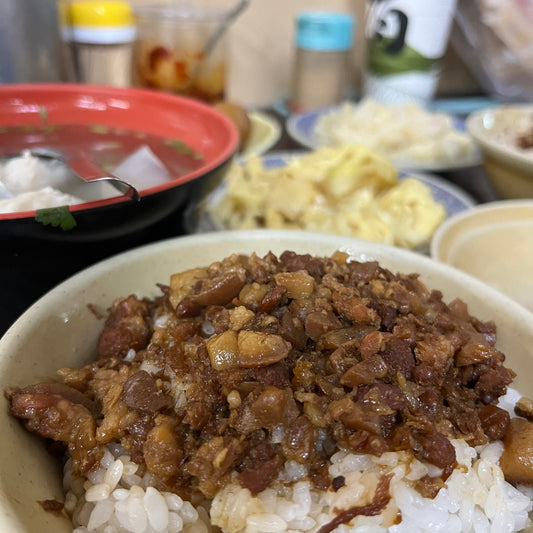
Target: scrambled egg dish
(349,191)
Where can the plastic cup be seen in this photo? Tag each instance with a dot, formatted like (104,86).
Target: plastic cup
(406,40)
(170,51)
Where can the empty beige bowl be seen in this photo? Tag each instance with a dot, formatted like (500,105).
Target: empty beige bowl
(509,167)
(494,243)
(61,329)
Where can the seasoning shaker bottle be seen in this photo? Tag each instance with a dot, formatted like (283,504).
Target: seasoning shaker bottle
(322,73)
(101,35)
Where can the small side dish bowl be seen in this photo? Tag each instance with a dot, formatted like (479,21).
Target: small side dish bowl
(493,242)
(265,132)
(194,141)
(504,135)
(62,329)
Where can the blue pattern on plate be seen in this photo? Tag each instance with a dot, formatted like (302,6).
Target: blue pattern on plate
(301,127)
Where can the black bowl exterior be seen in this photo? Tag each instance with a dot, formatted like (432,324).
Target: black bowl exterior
(119,219)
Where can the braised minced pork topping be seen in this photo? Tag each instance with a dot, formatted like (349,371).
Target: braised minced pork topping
(254,361)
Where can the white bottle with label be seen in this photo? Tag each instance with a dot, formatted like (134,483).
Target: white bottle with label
(405,41)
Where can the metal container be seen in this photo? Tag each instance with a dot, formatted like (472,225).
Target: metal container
(30,42)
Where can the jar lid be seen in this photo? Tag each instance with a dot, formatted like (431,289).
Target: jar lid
(324,31)
(100,13)
(101,22)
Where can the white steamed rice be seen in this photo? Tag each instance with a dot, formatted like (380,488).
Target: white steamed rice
(114,498)
(476,499)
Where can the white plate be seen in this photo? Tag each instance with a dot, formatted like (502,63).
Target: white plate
(453,199)
(301,128)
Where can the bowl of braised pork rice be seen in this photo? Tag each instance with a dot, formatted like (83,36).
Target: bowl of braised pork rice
(268,382)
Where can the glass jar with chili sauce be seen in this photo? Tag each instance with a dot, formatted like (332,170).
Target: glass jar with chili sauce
(170,51)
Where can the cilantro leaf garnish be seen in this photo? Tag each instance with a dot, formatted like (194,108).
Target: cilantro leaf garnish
(99,128)
(183,148)
(56,216)
(43,113)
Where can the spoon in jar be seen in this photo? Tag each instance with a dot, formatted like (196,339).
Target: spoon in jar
(223,26)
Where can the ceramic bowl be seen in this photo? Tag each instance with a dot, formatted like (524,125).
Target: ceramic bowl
(493,242)
(210,136)
(509,167)
(265,132)
(61,329)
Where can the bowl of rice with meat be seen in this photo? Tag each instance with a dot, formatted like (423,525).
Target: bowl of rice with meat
(264,382)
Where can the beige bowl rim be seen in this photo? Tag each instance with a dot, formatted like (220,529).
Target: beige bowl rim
(511,208)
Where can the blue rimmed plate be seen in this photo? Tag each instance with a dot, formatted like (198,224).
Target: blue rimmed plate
(301,128)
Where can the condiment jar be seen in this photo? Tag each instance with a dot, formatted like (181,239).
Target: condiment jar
(102,35)
(321,72)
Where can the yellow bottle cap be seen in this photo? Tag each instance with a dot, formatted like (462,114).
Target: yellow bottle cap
(90,13)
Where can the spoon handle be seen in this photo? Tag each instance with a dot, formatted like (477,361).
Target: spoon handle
(223,26)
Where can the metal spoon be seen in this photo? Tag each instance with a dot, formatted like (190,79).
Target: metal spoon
(223,26)
(84,169)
